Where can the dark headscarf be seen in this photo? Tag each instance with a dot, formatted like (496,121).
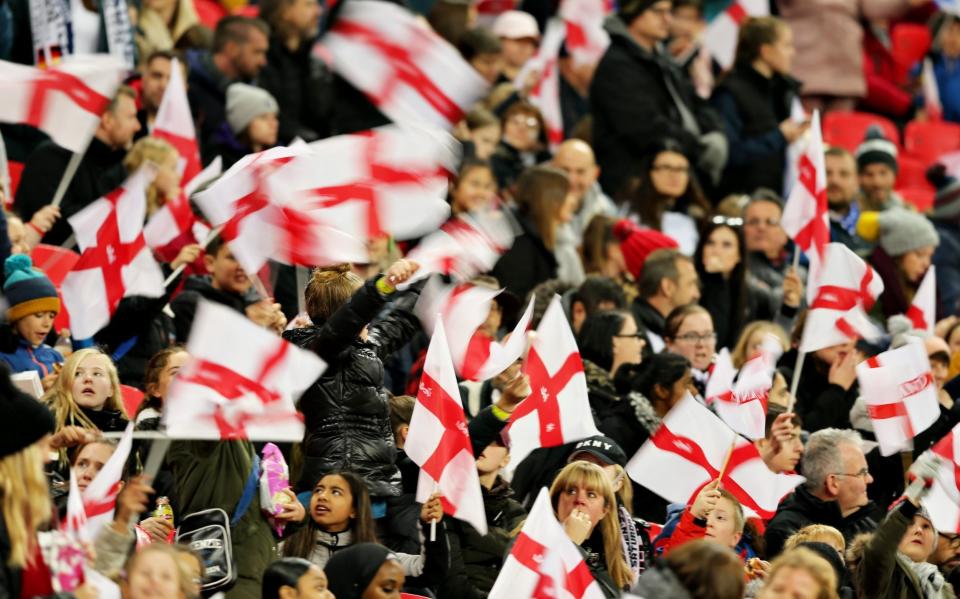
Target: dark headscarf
(350,571)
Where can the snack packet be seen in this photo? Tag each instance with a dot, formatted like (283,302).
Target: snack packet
(274,480)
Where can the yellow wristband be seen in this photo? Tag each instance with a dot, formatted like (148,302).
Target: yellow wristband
(384,287)
(502,415)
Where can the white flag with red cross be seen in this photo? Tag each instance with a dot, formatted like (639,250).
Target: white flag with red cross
(901,395)
(545,94)
(241,381)
(931,91)
(88,512)
(923,309)
(543,562)
(408,71)
(174,123)
(176,217)
(115,262)
(465,246)
(439,441)
(65,101)
(847,289)
(742,404)
(943,499)
(806,217)
(721,35)
(558,409)
(693,447)
(587,40)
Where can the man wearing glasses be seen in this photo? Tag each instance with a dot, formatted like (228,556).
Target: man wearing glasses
(835,493)
(947,556)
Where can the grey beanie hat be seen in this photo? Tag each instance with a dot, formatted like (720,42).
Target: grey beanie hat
(245,103)
(902,231)
(876,148)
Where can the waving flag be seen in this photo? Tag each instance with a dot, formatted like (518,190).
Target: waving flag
(439,441)
(176,216)
(115,262)
(901,395)
(545,95)
(97,503)
(587,40)
(743,406)
(240,383)
(544,562)
(923,310)
(174,123)
(465,246)
(943,500)
(722,33)
(65,101)
(558,410)
(931,92)
(689,450)
(408,71)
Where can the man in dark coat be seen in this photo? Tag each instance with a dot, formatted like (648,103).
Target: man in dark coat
(639,96)
(100,171)
(668,280)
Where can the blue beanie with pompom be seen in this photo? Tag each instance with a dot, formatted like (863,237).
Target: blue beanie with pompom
(27,289)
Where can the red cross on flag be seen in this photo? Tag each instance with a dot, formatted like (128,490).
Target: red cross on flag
(176,216)
(689,450)
(558,410)
(723,31)
(544,563)
(545,95)
(805,214)
(847,289)
(587,40)
(439,441)
(115,262)
(408,71)
(943,499)
(465,246)
(901,395)
(931,92)
(88,512)
(742,405)
(923,310)
(241,381)
(174,123)
(65,101)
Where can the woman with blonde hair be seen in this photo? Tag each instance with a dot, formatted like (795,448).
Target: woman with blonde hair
(752,338)
(162,23)
(800,572)
(164,157)
(584,503)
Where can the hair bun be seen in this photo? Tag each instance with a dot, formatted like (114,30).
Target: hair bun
(17,262)
(339,269)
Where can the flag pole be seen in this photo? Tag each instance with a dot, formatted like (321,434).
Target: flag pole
(795,382)
(726,461)
(179,270)
(67,177)
(433,523)
(303,277)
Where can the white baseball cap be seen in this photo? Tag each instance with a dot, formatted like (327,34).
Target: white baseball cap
(516,25)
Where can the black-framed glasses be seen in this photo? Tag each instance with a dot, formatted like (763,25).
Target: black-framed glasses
(952,540)
(862,473)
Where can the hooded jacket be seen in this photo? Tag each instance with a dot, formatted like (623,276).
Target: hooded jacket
(346,413)
(803,508)
(660,581)
(184,306)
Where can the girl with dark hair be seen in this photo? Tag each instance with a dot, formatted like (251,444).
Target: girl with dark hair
(666,197)
(474,189)
(728,292)
(295,578)
(521,144)
(162,368)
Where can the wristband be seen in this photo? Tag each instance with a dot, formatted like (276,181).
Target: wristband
(40,232)
(384,287)
(501,414)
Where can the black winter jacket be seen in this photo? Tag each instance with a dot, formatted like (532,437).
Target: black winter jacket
(527,263)
(820,404)
(207,92)
(803,508)
(302,85)
(100,172)
(184,306)
(346,412)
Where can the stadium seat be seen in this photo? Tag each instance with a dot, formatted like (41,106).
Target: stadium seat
(847,129)
(132,398)
(912,173)
(209,12)
(54,261)
(920,197)
(910,43)
(927,141)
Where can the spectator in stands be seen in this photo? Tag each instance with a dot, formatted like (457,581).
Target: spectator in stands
(714,514)
(752,340)
(575,157)
(299,80)
(484,51)
(842,199)
(668,280)
(574,81)
(521,145)
(33,305)
(227,284)
(239,52)
(828,384)
(253,124)
(474,189)
(365,571)
(769,257)
(885,78)
(782,447)
(639,97)
(619,249)
(698,570)
(607,341)
(161,24)
(100,170)
(686,48)
(833,73)
(299,576)
(877,168)
(519,35)
(800,573)
(689,331)
(944,52)
(161,370)
(906,242)
(946,555)
(835,492)
(755,101)
(945,216)
(543,202)
(596,294)
(482,134)
(156,76)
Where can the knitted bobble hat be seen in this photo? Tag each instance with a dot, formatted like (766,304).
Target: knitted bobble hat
(636,243)
(898,231)
(27,289)
(876,148)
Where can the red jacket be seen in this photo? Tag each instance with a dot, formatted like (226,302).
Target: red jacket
(884,78)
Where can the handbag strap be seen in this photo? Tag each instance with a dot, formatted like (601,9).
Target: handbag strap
(249,488)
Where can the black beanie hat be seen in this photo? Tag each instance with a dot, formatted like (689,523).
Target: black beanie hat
(876,148)
(27,420)
(631,9)
(350,571)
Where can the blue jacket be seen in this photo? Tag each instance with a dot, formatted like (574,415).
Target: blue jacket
(26,357)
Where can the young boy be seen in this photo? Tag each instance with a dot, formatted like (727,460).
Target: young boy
(33,305)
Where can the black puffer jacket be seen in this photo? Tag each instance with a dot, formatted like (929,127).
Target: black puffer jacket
(346,413)
(803,508)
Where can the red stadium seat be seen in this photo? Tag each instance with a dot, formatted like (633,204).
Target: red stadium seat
(209,12)
(910,43)
(928,141)
(912,173)
(132,398)
(847,129)
(920,197)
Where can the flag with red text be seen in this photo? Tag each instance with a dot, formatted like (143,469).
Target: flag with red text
(543,562)
(65,101)
(923,309)
(689,450)
(439,441)
(943,499)
(723,31)
(241,381)
(405,68)
(115,261)
(741,404)
(901,395)
(846,290)
(558,409)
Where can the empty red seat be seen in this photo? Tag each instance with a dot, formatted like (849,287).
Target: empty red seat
(928,141)
(920,197)
(910,43)
(847,129)
(912,173)
(209,12)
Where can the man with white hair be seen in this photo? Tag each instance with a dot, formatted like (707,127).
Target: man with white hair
(834,494)
(575,157)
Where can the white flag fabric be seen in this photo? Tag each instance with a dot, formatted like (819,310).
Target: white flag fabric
(559,412)
(409,72)
(742,405)
(65,101)
(174,123)
(176,216)
(931,92)
(241,381)
(720,36)
(545,94)
(115,261)
(465,246)
(692,447)
(100,496)
(901,395)
(923,310)
(544,562)
(587,40)
(439,441)
(943,499)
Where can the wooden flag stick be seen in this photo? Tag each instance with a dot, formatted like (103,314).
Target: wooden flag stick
(726,461)
(433,523)
(795,382)
(67,177)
